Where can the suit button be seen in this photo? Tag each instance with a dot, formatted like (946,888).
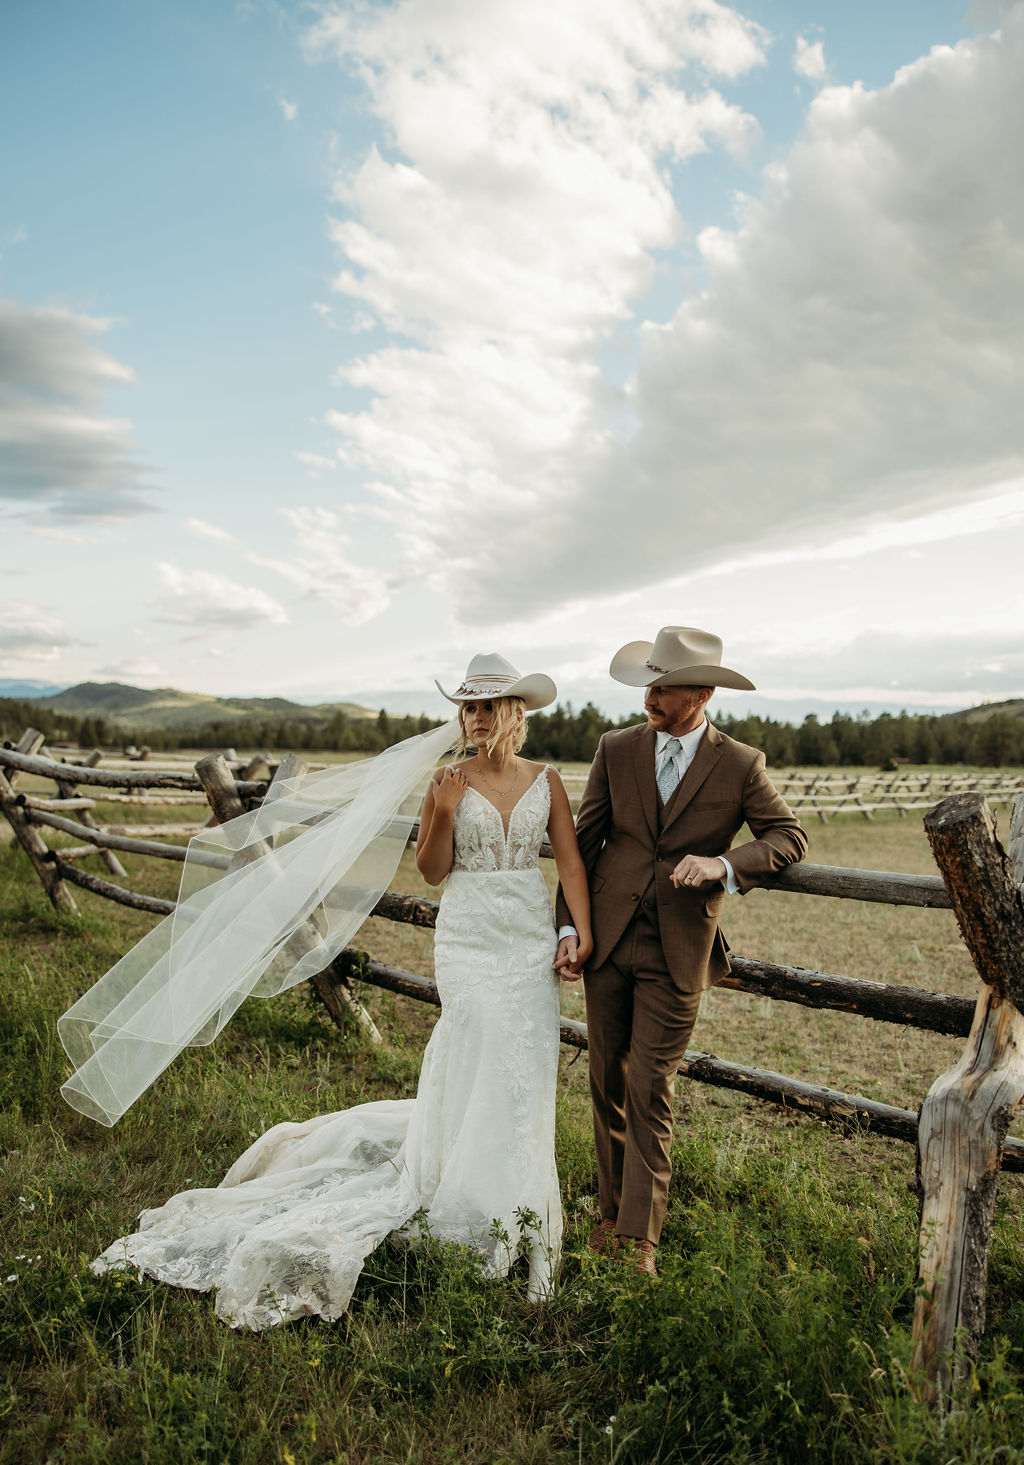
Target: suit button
(634,897)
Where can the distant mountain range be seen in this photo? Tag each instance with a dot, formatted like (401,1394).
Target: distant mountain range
(20,690)
(168,709)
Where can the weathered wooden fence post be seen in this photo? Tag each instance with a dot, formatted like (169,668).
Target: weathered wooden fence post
(332,985)
(28,837)
(967,1112)
(30,742)
(67,790)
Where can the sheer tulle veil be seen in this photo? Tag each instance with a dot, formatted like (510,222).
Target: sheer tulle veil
(266,900)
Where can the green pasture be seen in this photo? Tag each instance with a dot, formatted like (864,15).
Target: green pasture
(778,1330)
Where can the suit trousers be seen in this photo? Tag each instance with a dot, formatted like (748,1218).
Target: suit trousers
(639,1024)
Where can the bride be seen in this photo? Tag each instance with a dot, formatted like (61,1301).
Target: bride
(470,1160)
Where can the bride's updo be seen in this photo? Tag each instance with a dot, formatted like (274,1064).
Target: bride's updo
(508,729)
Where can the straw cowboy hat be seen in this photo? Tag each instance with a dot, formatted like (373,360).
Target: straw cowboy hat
(493,676)
(681,656)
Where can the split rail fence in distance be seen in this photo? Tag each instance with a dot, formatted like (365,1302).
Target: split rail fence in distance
(961,1132)
(827,794)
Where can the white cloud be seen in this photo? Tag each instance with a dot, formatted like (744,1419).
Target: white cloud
(137,668)
(289,110)
(809,59)
(859,353)
(522,214)
(322,566)
(58,453)
(885,663)
(211,603)
(854,357)
(1001,512)
(28,632)
(204,530)
(58,535)
(316,463)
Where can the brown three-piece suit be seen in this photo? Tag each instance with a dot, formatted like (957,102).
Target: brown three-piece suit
(656,948)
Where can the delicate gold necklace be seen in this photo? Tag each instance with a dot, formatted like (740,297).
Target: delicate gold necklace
(503,791)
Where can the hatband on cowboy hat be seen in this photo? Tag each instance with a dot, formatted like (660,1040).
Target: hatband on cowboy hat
(492,676)
(681,656)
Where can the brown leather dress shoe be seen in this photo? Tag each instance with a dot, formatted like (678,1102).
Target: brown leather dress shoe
(603,1239)
(638,1255)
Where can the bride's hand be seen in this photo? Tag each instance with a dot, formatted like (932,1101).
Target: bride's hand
(572,952)
(450,789)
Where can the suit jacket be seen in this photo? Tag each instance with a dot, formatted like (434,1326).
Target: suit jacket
(630,845)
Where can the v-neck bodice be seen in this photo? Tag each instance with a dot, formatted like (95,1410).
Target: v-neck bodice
(482,841)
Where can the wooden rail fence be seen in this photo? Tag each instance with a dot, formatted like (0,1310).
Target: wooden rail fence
(829,794)
(961,1130)
(871,793)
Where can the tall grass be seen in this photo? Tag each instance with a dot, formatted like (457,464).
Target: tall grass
(778,1330)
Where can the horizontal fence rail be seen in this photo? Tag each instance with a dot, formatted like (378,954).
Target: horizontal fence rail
(104,839)
(886,887)
(136,778)
(109,891)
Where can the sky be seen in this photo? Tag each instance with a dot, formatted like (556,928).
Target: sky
(340,342)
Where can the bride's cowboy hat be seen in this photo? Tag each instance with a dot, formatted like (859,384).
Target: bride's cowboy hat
(493,676)
(681,656)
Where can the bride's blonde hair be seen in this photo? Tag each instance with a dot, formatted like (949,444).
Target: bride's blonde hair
(508,728)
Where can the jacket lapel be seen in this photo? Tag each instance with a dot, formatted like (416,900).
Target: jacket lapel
(708,753)
(643,768)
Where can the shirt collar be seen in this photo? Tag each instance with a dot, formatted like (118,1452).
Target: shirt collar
(688,741)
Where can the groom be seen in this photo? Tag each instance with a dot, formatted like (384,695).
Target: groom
(662,805)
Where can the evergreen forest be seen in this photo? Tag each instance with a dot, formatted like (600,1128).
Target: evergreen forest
(994,740)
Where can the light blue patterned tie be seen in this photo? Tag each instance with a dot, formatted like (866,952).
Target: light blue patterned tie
(668,776)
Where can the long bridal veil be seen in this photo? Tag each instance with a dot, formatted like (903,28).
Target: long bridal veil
(266,900)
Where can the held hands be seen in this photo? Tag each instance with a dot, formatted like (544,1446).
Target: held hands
(572,952)
(450,789)
(698,870)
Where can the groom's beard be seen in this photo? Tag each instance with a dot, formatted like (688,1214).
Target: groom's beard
(676,710)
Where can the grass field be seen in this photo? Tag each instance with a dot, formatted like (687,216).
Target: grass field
(777,1332)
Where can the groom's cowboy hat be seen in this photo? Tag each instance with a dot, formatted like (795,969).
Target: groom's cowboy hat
(493,676)
(681,656)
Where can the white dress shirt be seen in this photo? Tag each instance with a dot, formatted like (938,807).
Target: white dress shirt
(683,757)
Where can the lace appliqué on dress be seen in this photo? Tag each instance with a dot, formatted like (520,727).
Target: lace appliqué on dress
(480,839)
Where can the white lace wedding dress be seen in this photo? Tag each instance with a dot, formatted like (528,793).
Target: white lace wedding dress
(288,1229)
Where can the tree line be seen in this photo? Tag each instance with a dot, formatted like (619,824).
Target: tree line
(844,741)
(995,741)
(338,734)
(568,736)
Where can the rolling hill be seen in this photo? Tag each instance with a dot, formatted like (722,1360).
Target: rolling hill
(169,709)
(1014,707)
